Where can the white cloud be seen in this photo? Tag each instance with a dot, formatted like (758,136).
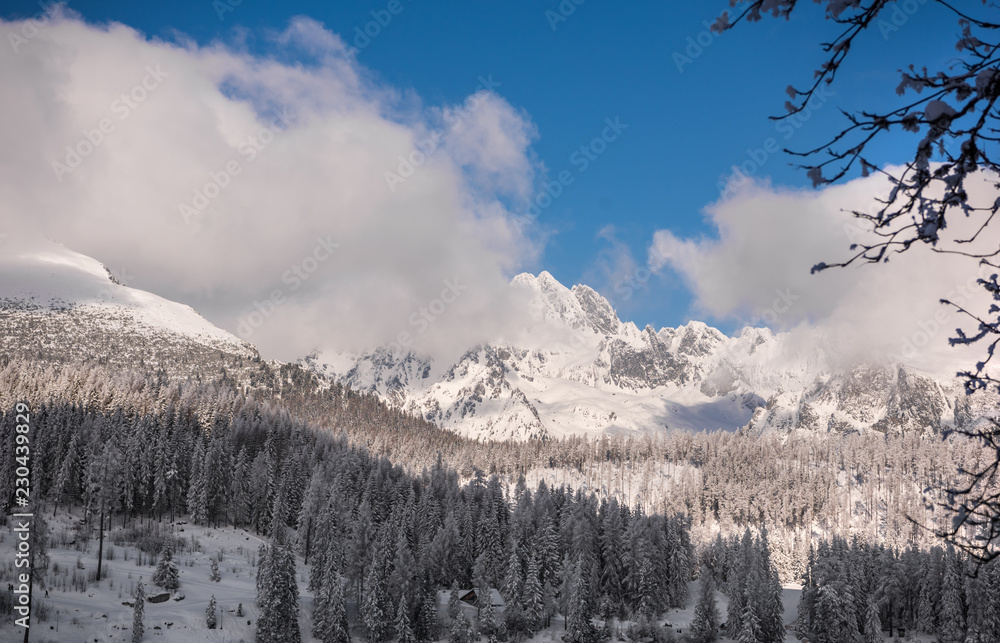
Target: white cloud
(302,151)
(757,268)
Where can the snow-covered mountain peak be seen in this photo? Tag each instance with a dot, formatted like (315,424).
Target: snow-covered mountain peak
(579,308)
(581,370)
(46,277)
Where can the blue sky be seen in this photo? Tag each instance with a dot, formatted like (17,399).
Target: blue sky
(686,126)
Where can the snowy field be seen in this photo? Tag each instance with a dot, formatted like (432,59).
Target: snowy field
(83,612)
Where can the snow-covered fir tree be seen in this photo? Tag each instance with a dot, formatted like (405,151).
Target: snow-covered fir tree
(461,630)
(138,612)
(580,626)
(427,627)
(873,623)
(166,574)
(952,616)
(376,612)
(210,613)
(531,594)
(404,632)
(488,624)
(330,611)
(767,591)
(278,590)
(749,629)
(705,624)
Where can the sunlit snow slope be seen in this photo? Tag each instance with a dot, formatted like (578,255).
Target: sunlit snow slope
(47,282)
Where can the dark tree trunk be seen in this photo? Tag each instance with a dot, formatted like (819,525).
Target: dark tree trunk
(100,546)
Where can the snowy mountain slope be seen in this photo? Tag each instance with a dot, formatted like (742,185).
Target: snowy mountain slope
(52,297)
(578,369)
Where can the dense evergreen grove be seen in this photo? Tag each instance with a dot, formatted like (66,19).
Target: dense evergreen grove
(852,591)
(743,568)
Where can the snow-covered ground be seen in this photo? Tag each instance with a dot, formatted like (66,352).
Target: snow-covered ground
(98,613)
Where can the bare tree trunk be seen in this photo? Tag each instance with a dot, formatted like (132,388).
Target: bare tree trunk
(100,546)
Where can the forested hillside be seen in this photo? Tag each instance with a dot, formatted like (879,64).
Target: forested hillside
(802,485)
(131,450)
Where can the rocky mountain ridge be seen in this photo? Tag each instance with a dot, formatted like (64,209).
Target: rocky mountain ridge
(603,375)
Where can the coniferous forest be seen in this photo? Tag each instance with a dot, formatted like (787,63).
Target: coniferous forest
(590,532)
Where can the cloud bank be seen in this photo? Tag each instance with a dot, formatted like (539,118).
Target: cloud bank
(300,204)
(756,270)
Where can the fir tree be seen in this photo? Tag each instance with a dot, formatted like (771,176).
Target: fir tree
(579,619)
(337,630)
(238,492)
(487,615)
(214,576)
(461,629)
(531,596)
(737,582)
(404,633)
(210,613)
(807,599)
(926,609)
(358,554)
(750,631)
(513,577)
(549,602)
(768,593)
(263,568)
(991,601)
(373,608)
(138,611)
(647,588)
(454,604)
(952,617)
(873,624)
(830,624)
(321,615)
(166,575)
(427,617)
(403,576)
(309,512)
(278,591)
(480,571)
(705,626)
